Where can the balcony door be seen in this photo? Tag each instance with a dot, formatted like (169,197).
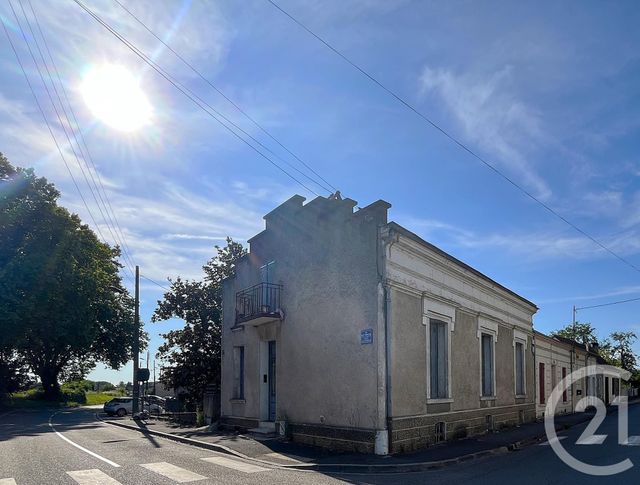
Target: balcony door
(267,276)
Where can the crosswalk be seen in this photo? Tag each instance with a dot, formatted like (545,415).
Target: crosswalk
(175,473)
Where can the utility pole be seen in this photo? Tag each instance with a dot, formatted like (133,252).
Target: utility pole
(573,358)
(136,346)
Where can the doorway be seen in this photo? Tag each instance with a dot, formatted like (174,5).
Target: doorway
(272,380)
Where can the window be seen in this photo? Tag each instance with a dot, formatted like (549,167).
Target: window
(438,359)
(520,391)
(238,372)
(564,393)
(541,381)
(267,275)
(487,365)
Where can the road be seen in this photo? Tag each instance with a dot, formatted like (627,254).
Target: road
(72,446)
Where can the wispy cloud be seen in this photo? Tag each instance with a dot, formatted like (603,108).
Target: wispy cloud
(196,237)
(493,118)
(621,292)
(534,246)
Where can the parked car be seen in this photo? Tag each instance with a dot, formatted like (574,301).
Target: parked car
(121,406)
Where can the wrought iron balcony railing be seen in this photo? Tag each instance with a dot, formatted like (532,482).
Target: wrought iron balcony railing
(259,302)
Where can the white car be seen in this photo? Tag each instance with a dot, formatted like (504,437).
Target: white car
(121,406)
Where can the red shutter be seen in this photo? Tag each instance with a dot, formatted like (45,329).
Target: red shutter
(541,382)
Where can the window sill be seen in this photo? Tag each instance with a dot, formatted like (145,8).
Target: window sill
(237,401)
(487,398)
(443,400)
(520,396)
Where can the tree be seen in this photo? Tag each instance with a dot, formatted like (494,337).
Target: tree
(192,354)
(583,333)
(63,304)
(13,374)
(620,350)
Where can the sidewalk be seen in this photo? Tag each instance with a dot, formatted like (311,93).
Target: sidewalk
(285,454)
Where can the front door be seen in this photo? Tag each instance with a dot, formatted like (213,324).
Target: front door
(272,380)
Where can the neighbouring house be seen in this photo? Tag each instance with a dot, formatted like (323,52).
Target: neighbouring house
(345,330)
(554,362)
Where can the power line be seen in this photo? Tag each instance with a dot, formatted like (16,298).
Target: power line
(608,304)
(452,138)
(154,282)
(191,95)
(107,206)
(66,116)
(33,92)
(234,104)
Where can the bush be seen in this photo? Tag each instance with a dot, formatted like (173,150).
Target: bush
(74,391)
(36,393)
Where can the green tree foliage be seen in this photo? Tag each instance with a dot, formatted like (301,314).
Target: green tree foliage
(13,372)
(63,304)
(583,333)
(191,355)
(617,350)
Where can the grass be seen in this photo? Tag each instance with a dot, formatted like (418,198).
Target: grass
(30,400)
(99,397)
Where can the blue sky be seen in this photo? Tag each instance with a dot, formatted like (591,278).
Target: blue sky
(549,92)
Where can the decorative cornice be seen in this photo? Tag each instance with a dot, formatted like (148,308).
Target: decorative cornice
(431,281)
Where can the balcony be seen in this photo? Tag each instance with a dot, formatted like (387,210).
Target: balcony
(258,304)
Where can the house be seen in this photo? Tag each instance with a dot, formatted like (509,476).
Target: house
(554,362)
(345,330)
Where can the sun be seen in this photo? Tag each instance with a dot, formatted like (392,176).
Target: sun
(114,96)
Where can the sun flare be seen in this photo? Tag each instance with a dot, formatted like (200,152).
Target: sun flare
(114,96)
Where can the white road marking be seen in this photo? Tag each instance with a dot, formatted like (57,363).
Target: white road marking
(95,455)
(93,477)
(235,465)
(552,440)
(280,456)
(596,439)
(173,472)
(632,441)
(7,481)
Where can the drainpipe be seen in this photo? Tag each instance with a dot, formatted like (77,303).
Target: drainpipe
(383,436)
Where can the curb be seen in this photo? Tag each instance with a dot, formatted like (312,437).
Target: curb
(352,468)
(183,439)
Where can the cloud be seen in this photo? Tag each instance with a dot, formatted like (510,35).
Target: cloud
(493,118)
(198,237)
(534,246)
(622,291)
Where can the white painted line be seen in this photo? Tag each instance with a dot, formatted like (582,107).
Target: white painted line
(93,477)
(7,481)
(596,439)
(235,465)
(553,440)
(173,472)
(632,441)
(95,455)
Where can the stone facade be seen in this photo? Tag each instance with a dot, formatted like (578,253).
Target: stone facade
(354,367)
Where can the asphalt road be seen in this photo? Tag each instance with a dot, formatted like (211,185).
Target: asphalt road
(77,448)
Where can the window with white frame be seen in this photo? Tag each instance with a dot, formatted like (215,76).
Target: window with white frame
(486,358)
(438,359)
(238,372)
(519,350)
